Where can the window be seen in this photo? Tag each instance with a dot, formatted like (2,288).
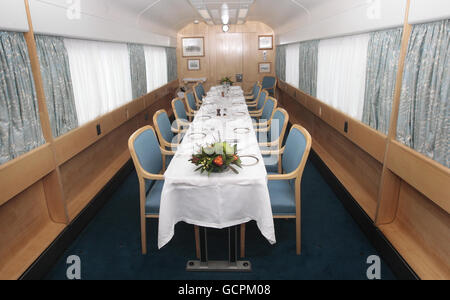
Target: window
(342,73)
(292,64)
(156,65)
(100,76)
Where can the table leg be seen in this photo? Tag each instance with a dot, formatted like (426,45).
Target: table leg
(232,265)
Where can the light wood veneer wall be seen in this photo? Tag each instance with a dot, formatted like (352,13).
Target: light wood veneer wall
(405,193)
(45,189)
(227,54)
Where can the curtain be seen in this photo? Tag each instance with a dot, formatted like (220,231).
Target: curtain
(292,63)
(57,84)
(156,66)
(172,68)
(101,77)
(341,73)
(137,69)
(381,72)
(423,122)
(281,62)
(20,128)
(308,67)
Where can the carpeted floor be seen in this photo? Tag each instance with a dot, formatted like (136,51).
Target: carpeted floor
(333,246)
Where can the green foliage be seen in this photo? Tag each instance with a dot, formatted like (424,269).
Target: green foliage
(226,80)
(217,158)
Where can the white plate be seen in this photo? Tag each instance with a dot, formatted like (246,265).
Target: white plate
(197,135)
(241,130)
(249,160)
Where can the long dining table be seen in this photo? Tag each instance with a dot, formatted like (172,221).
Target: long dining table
(219,200)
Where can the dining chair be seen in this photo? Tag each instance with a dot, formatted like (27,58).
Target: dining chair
(198,94)
(181,117)
(191,104)
(167,134)
(202,89)
(257,110)
(284,187)
(270,83)
(253,99)
(265,118)
(272,137)
(147,158)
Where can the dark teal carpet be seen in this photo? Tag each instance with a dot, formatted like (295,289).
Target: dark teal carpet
(333,246)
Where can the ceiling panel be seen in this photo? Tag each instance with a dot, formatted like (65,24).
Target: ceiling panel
(173,15)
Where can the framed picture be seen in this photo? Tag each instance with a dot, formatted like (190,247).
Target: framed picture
(193,64)
(193,47)
(265,42)
(265,68)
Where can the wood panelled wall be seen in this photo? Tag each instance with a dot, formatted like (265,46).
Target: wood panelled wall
(227,54)
(406,194)
(45,189)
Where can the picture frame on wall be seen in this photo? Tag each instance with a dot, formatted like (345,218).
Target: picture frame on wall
(193,64)
(265,68)
(265,42)
(193,47)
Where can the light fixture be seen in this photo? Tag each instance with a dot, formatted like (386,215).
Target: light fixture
(225,28)
(225,14)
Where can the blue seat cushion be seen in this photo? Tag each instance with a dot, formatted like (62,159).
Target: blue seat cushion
(153,199)
(282,197)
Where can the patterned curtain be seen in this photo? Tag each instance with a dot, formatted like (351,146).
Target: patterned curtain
(382,65)
(57,84)
(20,128)
(172,68)
(423,122)
(308,56)
(138,72)
(281,62)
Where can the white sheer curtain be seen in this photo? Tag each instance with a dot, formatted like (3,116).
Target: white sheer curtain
(342,73)
(100,76)
(156,66)
(292,64)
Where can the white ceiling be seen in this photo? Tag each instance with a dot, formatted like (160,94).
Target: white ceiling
(173,15)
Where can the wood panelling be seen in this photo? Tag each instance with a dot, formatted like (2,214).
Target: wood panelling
(24,171)
(32,207)
(25,231)
(227,54)
(416,201)
(420,233)
(427,176)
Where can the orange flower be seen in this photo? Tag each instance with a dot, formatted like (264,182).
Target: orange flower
(235,158)
(218,161)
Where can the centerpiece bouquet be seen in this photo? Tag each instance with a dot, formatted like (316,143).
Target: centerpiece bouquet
(226,81)
(217,158)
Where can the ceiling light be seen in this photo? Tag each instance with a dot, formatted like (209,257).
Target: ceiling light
(225,14)
(225,28)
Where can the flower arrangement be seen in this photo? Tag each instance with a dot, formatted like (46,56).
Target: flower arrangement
(226,80)
(217,158)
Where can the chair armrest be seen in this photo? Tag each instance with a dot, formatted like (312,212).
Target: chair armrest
(273,152)
(149,176)
(265,129)
(167,152)
(281,177)
(271,144)
(257,113)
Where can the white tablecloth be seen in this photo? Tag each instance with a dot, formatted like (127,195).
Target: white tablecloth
(220,200)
